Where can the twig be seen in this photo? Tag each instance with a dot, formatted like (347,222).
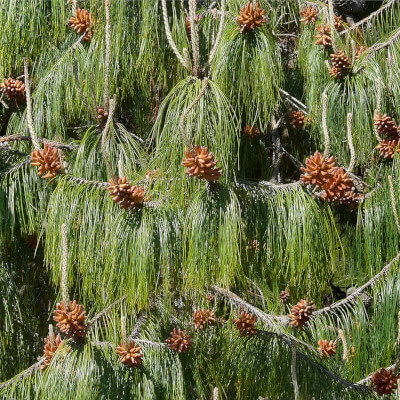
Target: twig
(103,140)
(194,30)
(219,34)
(108,56)
(138,326)
(64,270)
(324,124)
(123,331)
(393,203)
(277,152)
(29,106)
(19,137)
(380,46)
(170,38)
(378,107)
(105,311)
(350,142)
(296,102)
(292,158)
(23,374)
(293,371)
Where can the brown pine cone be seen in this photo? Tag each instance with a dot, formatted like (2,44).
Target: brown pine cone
(309,14)
(385,125)
(298,119)
(284,296)
(318,170)
(130,355)
(71,319)
(388,148)
(326,348)
(245,324)
(251,17)
(179,341)
(340,65)
(360,50)
(203,318)
(102,115)
(253,245)
(385,381)
(82,23)
(124,194)
(301,313)
(50,349)
(48,161)
(200,164)
(324,36)
(339,26)
(13,89)
(338,187)
(251,132)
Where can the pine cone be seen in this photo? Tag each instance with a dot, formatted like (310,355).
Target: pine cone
(245,324)
(203,318)
(340,65)
(327,348)
(284,296)
(324,36)
(309,14)
(360,50)
(253,245)
(251,17)
(388,148)
(385,381)
(337,187)
(301,313)
(251,132)
(82,23)
(102,115)
(200,164)
(297,119)
(71,319)
(50,349)
(188,26)
(318,170)
(179,341)
(48,161)
(385,125)
(126,195)
(130,355)
(14,89)
(339,23)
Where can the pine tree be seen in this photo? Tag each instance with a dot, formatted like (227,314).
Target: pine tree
(199,199)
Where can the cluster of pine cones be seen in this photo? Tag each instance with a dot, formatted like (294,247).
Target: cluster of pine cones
(298,119)
(387,127)
(47,160)
(341,65)
(251,17)
(82,23)
(336,184)
(252,132)
(327,348)
(200,164)
(126,195)
(130,354)
(301,313)
(14,90)
(245,324)
(384,381)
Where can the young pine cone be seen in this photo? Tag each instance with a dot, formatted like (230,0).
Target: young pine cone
(339,23)
(203,318)
(251,17)
(385,381)
(340,65)
(318,170)
(130,355)
(200,164)
(48,161)
(297,119)
(102,115)
(82,23)
(13,89)
(338,187)
(326,348)
(324,36)
(50,349)
(251,132)
(124,194)
(179,341)
(388,148)
(284,295)
(301,313)
(245,324)
(309,15)
(71,319)
(385,125)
